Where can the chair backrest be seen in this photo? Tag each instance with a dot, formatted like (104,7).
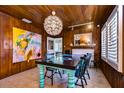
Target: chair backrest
(88,57)
(67,52)
(80,71)
(49,55)
(83,65)
(67,55)
(58,53)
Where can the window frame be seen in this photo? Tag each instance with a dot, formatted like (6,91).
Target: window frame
(110,62)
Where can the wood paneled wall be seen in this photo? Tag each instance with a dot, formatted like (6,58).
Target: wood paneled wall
(69,38)
(115,78)
(123,39)
(7,68)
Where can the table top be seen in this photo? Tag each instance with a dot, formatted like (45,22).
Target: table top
(61,61)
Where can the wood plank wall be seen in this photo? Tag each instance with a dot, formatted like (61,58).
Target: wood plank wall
(7,68)
(123,39)
(69,38)
(115,78)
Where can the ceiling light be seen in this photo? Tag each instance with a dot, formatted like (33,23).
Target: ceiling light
(26,20)
(98,25)
(71,44)
(53,25)
(72,28)
(89,26)
(53,12)
(78,25)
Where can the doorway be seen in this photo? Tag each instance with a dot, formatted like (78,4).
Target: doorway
(54,45)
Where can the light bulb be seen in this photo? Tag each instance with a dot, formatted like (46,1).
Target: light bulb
(98,25)
(53,12)
(89,26)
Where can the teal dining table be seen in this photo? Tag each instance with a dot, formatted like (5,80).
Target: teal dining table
(64,62)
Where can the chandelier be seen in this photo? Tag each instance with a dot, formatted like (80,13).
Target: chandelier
(53,25)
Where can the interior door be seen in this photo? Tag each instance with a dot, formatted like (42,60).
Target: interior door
(54,45)
(58,45)
(50,45)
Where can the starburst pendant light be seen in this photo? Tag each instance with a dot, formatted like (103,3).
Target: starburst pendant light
(53,25)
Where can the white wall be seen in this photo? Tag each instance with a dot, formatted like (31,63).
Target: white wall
(83,51)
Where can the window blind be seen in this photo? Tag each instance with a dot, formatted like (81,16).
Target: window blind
(112,39)
(103,38)
(109,39)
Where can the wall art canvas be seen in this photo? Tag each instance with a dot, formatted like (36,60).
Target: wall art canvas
(26,45)
(83,39)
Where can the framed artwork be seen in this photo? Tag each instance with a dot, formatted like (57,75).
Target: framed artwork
(83,39)
(26,45)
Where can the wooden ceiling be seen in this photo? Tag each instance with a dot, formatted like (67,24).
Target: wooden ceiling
(69,14)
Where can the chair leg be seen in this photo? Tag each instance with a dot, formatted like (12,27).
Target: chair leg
(60,74)
(63,71)
(88,74)
(45,74)
(52,78)
(85,80)
(82,83)
(76,81)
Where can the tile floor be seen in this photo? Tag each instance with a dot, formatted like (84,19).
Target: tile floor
(30,79)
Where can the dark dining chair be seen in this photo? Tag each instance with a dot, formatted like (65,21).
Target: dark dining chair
(88,57)
(80,72)
(67,51)
(52,70)
(66,56)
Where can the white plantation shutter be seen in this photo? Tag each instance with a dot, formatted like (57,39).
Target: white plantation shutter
(109,39)
(103,43)
(112,39)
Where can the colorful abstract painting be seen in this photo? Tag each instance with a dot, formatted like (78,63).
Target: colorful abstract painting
(26,45)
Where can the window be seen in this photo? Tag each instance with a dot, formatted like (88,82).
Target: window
(109,38)
(112,39)
(103,43)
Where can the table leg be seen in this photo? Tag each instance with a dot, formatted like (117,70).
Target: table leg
(71,78)
(41,76)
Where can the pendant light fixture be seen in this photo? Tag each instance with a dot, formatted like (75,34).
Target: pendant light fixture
(53,25)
